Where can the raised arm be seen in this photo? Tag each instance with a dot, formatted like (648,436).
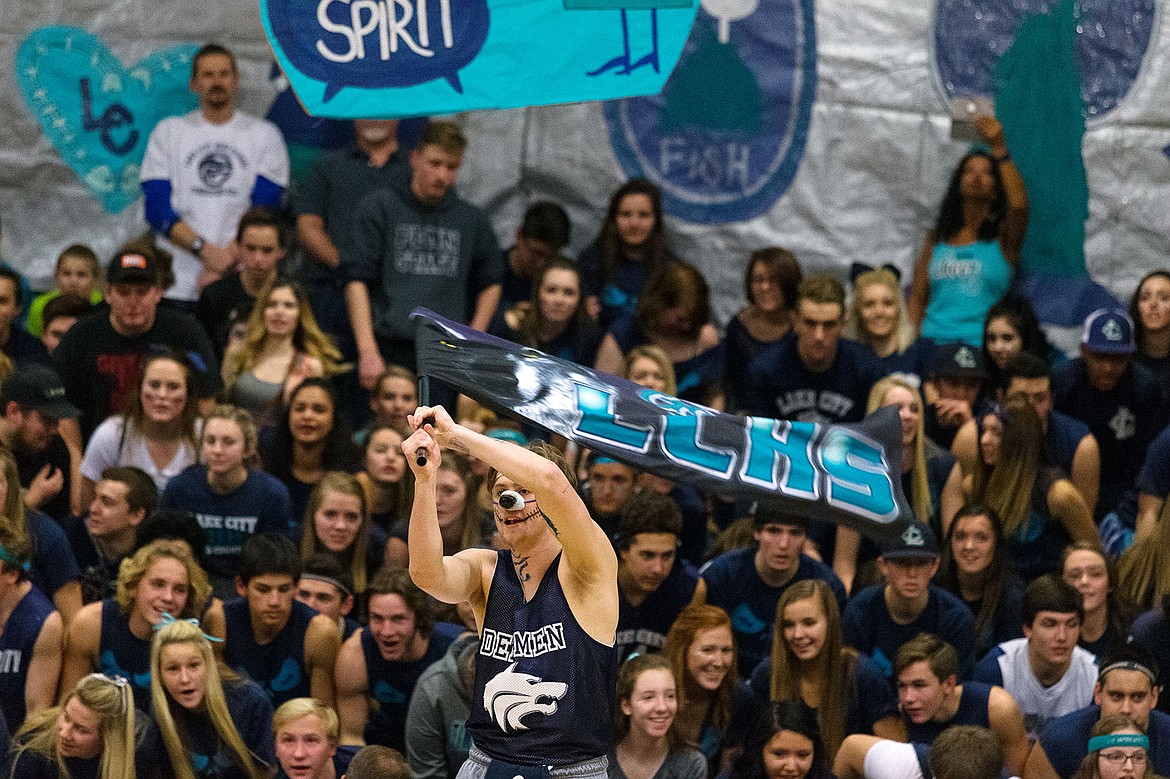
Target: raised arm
(587,551)
(449,578)
(1015,220)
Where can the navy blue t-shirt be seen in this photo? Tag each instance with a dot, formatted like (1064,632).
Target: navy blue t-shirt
(1154,478)
(260,505)
(734,585)
(52,564)
(780,386)
(914,361)
(643,628)
(278,666)
(541,681)
(869,629)
(1066,740)
(392,683)
(1124,421)
(1062,438)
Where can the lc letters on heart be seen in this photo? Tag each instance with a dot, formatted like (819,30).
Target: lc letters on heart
(97,112)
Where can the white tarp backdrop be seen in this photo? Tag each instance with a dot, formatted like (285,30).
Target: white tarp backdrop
(873,168)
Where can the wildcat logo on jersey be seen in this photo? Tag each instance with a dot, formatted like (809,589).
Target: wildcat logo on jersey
(511,696)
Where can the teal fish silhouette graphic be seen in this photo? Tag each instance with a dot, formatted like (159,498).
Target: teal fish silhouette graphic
(746,622)
(289,676)
(108,665)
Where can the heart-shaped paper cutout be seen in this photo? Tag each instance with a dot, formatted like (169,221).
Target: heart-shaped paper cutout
(97,112)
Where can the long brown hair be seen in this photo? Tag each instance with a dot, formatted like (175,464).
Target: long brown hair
(135,415)
(608,242)
(627,679)
(690,622)
(835,664)
(343,484)
(1008,487)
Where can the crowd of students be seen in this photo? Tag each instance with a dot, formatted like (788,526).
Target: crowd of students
(211,580)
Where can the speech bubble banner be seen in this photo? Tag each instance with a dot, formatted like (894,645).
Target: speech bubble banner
(399,58)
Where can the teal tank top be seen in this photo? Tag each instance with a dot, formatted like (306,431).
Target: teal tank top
(965,281)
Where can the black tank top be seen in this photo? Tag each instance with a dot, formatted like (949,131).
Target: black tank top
(543,686)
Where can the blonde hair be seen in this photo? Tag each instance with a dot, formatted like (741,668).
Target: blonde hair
(246,424)
(308,337)
(343,484)
(134,568)
(658,356)
(184,632)
(919,483)
(112,701)
(294,709)
(855,328)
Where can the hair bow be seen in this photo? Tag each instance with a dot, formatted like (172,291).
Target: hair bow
(859,268)
(168,619)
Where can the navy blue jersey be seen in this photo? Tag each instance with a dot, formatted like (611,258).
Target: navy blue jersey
(543,686)
(278,666)
(1065,740)
(869,628)
(391,684)
(643,628)
(121,653)
(21,630)
(734,585)
(972,711)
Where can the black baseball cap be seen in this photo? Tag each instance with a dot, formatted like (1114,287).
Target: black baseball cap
(917,542)
(958,361)
(38,387)
(130,266)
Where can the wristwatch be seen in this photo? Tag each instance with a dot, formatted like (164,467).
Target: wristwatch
(197,246)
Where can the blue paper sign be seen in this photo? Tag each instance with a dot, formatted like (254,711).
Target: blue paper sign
(725,138)
(399,58)
(97,112)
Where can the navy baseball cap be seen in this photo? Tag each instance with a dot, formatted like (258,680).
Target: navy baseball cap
(1109,331)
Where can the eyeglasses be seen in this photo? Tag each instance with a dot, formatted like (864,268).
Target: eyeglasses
(1119,758)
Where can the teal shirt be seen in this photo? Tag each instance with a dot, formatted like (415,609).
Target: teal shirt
(965,281)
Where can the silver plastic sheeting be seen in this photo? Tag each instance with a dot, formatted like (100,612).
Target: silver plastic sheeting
(873,170)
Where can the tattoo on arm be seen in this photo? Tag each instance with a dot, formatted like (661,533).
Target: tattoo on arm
(521,564)
(549,522)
